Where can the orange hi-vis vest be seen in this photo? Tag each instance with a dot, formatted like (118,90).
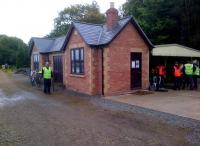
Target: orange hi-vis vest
(161,71)
(177,71)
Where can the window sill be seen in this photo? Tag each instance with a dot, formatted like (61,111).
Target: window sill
(77,75)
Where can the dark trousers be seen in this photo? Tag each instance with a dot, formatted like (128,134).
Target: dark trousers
(195,81)
(160,82)
(177,83)
(47,86)
(188,81)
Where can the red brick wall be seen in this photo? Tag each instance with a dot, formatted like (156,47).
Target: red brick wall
(117,61)
(80,83)
(96,71)
(111,18)
(116,64)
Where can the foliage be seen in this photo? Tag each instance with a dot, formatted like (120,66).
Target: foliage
(166,21)
(85,13)
(13,51)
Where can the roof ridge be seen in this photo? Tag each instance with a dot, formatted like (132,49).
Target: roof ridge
(58,37)
(88,23)
(101,23)
(43,38)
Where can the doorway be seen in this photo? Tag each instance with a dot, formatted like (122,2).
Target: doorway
(58,68)
(136,70)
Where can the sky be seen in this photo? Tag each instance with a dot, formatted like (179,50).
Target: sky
(35,18)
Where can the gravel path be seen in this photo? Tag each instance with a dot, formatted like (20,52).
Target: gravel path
(168,118)
(30,118)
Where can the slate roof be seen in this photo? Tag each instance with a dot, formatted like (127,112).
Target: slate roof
(93,34)
(48,45)
(98,34)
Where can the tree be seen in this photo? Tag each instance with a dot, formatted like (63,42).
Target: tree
(20,58)
(155,18)
(166,21)
(13,51)
(85,13)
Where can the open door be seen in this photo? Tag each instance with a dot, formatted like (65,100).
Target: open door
(136,70)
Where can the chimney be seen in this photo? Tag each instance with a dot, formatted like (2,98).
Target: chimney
(111,16)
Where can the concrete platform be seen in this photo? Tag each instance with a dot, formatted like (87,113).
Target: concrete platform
(183,103)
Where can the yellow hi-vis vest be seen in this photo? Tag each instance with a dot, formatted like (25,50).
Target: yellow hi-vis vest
(196,72)
(189,69)
(47,73)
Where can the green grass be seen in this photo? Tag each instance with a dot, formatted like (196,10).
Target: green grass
(10,70)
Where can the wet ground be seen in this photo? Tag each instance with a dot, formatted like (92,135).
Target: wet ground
(30,118)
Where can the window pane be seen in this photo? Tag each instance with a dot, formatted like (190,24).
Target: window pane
(73,70)
(72,54)
(81,54)
(77,68)
(35,58)
(77,54)
(82,67)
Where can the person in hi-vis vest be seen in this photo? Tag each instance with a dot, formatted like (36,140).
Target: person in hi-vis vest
(188,75)
(177,76)
(47,74)
(161,72)
(196,73)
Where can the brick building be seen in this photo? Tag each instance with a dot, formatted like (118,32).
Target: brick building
(45,49)
(101,59)
(106,59)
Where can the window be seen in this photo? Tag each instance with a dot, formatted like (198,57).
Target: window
(77,61)
(36,61)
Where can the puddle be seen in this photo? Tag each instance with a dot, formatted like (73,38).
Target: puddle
(10,100)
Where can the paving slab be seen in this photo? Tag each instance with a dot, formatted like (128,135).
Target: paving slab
(184,103)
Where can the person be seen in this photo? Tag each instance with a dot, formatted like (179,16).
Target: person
(195,73)
(153,79)
(177,76)
(47,74)
(160,69)
(188,75)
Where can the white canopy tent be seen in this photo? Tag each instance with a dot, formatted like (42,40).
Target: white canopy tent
(175,50)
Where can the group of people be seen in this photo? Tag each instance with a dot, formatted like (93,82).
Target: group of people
(47,74)
(185,75)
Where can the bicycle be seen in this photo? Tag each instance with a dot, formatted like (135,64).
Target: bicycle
(35,79)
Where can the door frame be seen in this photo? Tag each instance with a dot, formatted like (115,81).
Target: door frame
(141,65)
(62,73)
